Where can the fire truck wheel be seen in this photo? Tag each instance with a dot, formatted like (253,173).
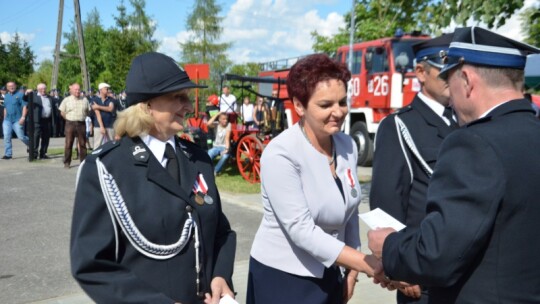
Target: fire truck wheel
(363,142)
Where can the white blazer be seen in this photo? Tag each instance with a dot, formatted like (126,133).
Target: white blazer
(306,223)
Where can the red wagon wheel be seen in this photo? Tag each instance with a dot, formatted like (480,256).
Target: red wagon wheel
(248,158)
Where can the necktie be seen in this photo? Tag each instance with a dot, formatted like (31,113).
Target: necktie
(172,162)
(449,114)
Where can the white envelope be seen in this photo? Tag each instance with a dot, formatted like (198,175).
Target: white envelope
(377,218)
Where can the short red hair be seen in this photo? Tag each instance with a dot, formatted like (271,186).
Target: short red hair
(307,72)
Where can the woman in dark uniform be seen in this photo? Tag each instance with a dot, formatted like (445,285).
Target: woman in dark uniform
(148,225)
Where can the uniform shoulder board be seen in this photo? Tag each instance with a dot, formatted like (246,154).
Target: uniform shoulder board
(106,148)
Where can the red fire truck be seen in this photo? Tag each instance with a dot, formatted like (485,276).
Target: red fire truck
(383,80)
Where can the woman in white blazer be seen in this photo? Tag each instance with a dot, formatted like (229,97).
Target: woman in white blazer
(310,194)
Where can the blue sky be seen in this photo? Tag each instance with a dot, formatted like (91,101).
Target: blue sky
(261,30)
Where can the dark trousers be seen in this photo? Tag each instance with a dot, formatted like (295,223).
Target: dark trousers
(60,126)
(42,134)
(267,285)
(78,129)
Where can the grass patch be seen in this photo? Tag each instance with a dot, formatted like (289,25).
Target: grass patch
(55,151)
(231,180)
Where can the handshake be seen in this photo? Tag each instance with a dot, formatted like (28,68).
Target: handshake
(375,267)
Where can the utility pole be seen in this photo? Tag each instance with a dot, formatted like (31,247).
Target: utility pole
(54,80)
(80,40)
(84,70)
(350,90)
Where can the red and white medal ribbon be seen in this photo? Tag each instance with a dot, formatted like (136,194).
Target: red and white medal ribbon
(354,193)
(200,186)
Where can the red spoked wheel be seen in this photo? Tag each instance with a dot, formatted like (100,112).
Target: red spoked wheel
(248,158)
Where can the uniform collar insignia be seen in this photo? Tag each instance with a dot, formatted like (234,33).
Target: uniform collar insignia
(140,153)
(184,149)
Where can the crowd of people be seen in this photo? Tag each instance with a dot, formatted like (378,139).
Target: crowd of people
(458,166)
(87,119)
(54,115)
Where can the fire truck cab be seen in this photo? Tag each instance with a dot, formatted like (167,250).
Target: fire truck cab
(383,81)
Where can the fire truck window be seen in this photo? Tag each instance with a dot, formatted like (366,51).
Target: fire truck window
(377,60)
(339,57)
(402,49)
(357,62)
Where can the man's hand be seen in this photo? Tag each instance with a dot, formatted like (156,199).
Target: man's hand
(413,291)
(219,289)
(376,240)
(348,286)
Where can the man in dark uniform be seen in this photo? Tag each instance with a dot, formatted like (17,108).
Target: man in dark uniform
(477,243)
(148,225)
(399,179)
(43,119)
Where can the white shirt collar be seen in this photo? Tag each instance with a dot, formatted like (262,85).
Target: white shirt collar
(434,106)
(158,147)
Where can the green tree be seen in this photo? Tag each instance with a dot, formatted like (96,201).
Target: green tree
(381,18)
(16,61)
(530,23)
(142,24)
(94,44)
(70,64)
(131,37)
(109,52)
(493,13)
(204,23)
(41,75)
(375,19)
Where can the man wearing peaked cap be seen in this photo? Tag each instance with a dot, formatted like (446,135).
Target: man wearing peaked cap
(169,241)
(399,180)
(476,244)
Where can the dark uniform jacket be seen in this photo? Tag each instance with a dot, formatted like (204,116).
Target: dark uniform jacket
(158,207)
(479,240)
(392,189)
(391,186)
(38,107)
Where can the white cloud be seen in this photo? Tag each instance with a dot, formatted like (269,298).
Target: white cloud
(7,37)
(170,46)
(270,30)
(44,52)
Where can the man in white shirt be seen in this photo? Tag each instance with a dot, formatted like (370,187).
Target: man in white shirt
(43,119)
(227,102)
(247,112)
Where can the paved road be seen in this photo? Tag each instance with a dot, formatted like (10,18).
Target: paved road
(35,215)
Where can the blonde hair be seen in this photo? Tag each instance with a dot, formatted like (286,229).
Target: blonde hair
(134,121)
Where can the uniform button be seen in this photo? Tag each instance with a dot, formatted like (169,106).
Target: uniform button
(189,208)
